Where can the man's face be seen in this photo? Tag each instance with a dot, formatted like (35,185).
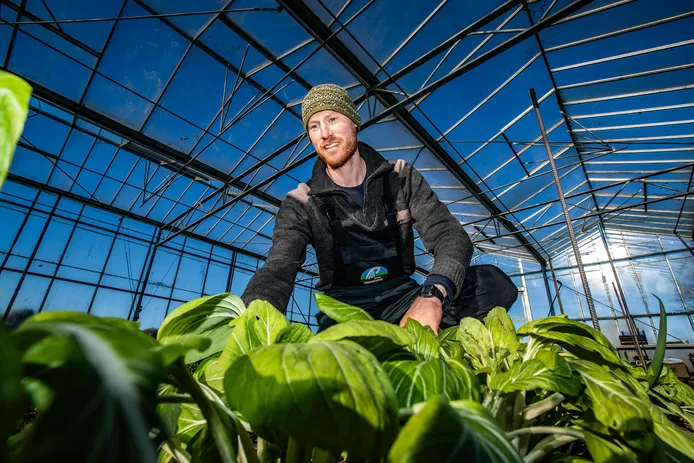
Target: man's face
(334,136)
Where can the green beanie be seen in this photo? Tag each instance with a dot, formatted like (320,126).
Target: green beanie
(328,97)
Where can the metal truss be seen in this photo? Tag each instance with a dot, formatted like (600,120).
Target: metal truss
(529,228)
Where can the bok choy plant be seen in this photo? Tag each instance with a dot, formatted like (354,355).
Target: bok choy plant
(229,383)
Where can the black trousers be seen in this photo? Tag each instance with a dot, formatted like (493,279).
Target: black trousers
(485,287)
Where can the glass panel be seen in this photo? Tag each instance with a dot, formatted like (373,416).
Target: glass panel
(109,303)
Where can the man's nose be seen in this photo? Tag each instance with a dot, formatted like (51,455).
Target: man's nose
(325,132)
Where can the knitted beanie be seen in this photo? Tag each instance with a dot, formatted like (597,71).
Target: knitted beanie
(328,97)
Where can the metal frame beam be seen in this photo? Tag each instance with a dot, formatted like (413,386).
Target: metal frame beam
(143,140)
(53,29)
(127,214)
(508,44)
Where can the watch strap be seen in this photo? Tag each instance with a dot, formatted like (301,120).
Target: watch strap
(432,291)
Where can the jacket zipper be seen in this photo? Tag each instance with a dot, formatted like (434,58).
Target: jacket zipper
(349,198)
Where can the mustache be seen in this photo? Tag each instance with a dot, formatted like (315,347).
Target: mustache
(331,141)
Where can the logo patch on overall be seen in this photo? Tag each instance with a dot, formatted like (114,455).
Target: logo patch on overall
(374,275)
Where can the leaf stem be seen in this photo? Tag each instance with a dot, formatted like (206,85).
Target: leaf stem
(293,451)
(543,406)
(405,413)
(220,434)
(247,445)
(545,446)
(175,399)
(262,450)
(545,430)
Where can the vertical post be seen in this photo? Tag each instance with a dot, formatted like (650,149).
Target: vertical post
(556,286)
(49,217)
(621,299)
(140,293)
(103,267)
(549,293)
(60,259)
(565,209)
(632,329)
(230,277)
(526,299)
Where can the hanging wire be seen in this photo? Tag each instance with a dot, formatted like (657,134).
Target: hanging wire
(149,16)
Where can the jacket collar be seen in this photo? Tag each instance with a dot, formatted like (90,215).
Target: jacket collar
(376,165)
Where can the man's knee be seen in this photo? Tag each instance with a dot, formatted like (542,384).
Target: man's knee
(495,286)
(486,287)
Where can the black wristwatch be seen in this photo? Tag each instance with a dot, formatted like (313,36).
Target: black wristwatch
(432,291)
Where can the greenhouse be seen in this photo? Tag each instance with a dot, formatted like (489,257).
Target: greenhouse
(148,147)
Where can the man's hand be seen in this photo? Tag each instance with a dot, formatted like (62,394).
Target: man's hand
(427,311)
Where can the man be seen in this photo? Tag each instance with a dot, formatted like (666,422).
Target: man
(357,212)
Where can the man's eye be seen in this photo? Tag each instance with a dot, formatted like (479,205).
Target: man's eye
(332,119)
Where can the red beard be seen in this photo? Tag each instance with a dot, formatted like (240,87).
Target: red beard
(346,149)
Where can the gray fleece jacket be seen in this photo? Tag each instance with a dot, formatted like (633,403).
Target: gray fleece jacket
(300,222)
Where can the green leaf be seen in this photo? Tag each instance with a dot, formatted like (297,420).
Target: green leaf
(328,394)
(202,447)
(175,347)
(11,393)
(169,412)
(615,405)
(579,339)
(659,355)
(451,349)
(502,330)
(260,325)
(608,451)
(223,427)
(676,441)
(79,318)
(172,451)
(378,337)
(582,347)
(563,324)
(450,333)
(190,422)
(439,432)
(339,311)
(425,341)
(470,384)
(477,343)
(563,458)
(296,332)
(547,445)
(206,316)
(212,373)
(108,381)
(418,380)
(14,107)
(638,388)
(674,390)
(480,420)
(547,371)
